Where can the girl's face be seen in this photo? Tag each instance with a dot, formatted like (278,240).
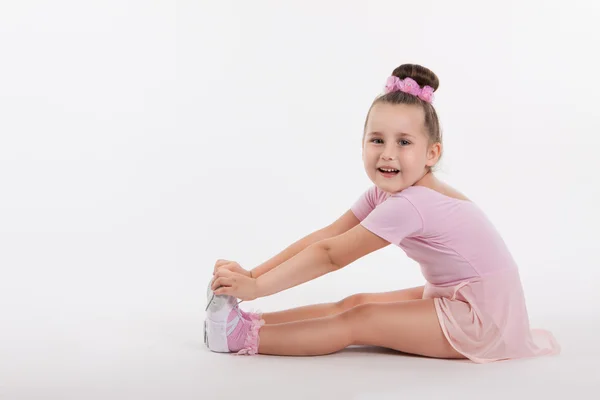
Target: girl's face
(395,138)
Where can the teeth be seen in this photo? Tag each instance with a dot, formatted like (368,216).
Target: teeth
(388,170)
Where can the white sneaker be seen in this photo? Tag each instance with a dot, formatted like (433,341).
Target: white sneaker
(216,328)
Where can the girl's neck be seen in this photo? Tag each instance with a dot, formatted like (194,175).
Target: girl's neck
(429,180)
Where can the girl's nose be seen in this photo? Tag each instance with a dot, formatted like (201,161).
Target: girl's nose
(388,155)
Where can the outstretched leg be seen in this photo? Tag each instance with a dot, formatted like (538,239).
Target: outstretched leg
(408,326)
(327,309)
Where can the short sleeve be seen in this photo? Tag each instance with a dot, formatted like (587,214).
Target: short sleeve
(367,202)
(394,219)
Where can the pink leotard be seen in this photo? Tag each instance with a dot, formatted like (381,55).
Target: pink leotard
(471,275)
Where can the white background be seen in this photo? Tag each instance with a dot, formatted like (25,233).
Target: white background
(140,141)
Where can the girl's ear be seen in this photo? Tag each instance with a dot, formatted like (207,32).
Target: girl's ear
(433,154)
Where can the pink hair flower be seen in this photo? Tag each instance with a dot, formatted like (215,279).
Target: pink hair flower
(392,84)
(426,94)
(411,86)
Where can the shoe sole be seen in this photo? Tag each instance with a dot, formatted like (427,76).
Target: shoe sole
(205,336)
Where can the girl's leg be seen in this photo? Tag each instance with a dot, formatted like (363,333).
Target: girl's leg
(327,309)
(407,326)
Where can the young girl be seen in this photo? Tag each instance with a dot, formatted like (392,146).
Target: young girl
(472,305)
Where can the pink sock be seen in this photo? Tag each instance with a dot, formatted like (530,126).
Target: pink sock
(244,338)
(256,316)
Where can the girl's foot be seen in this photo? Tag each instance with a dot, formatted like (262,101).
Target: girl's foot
(215,302)
(229,329)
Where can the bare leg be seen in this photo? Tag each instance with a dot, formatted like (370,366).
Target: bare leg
(327,309)
(407,326)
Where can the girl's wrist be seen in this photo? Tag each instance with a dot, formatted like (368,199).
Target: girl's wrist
(257,288)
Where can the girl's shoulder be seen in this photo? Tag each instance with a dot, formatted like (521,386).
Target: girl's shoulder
(442,191)
(438,209)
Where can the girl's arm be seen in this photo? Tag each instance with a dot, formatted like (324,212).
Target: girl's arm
(290,252)
(307,265)
(341,225)
(319,259)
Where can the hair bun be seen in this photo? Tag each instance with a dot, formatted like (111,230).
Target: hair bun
(423,76)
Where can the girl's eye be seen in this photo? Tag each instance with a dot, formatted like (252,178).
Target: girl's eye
(404,142)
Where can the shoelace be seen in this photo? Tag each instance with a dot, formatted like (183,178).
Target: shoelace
(213,297)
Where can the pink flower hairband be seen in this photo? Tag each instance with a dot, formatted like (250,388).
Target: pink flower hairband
(409,85)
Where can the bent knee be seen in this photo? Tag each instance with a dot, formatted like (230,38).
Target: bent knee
(352,301)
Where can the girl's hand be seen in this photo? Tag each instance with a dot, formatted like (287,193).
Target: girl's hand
(234,284)
(231,266)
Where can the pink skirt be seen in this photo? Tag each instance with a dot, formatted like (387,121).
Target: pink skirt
(486,319)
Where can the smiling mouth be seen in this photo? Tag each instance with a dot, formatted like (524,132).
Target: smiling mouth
(388,174)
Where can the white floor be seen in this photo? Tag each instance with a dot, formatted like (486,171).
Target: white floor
(109,319)
(123,355)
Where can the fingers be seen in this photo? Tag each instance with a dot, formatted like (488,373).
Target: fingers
(224,290)
(222,282)
(229,265)
(219,264)
(224,277)
(223,272)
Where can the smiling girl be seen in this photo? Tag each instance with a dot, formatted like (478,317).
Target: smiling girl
(472,305)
